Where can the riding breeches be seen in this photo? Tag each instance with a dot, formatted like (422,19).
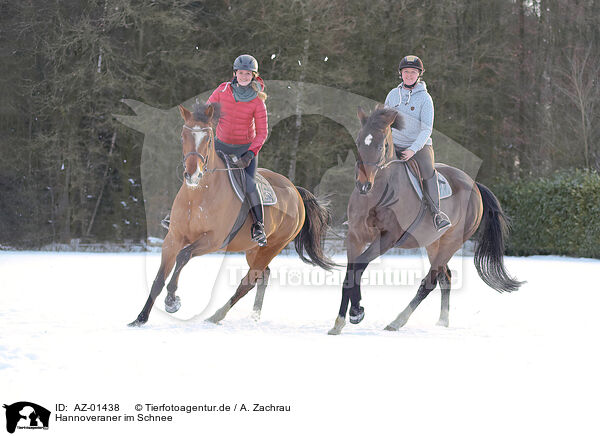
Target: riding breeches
(425,160)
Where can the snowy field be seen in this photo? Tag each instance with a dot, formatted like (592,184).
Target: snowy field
(514,364)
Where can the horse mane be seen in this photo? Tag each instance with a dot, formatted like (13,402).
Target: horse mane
(199,110)
(379,119)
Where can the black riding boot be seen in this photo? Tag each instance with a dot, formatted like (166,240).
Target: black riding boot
(432,195)
(257,233)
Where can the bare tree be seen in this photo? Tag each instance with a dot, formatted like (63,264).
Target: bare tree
(579,85)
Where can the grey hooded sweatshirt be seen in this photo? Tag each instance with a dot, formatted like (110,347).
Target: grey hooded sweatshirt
(416,106)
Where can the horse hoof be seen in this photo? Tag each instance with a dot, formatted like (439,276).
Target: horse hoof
(443,323)
(255,316)
(215,319)
(339,324)
(136,323)
(391,328)
(357,315)
(172,305)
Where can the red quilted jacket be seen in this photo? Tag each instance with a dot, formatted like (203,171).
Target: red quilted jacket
(241,122)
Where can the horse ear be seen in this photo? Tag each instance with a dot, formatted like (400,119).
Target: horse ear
(216,113)
(209,112)
(362,116)
(185,114)
(390,117)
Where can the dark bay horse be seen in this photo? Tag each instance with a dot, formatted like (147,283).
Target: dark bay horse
(384,211)
(206,208)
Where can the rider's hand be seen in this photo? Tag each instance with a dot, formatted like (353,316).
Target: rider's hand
(245,159)
(406,154)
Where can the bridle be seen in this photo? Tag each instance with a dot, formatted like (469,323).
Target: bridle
(203,158)
(381,163)
(195,153)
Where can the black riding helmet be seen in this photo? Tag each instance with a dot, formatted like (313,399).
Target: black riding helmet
(411,62)
(245,62)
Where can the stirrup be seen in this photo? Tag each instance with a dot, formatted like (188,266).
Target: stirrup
(166,221)
(441,221)
(258,234)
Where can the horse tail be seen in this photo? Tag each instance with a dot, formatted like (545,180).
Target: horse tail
(489,254)
(316,222)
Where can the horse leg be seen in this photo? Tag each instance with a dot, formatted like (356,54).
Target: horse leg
(440,252)
(200,246)
(258,260)
(347,288)
(351,288)
(445,278)
(380,246)
(427,285)
(355,245)
(260,294)
(170,247)
(244,287)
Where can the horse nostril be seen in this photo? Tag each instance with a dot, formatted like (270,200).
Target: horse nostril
(186,176)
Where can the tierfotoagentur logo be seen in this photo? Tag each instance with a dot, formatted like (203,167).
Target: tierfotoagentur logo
(26,416)
(316,278)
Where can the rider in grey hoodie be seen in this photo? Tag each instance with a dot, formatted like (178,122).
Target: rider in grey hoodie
(414,103)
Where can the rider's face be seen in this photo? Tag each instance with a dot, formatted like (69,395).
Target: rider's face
(410,75)
(244,77)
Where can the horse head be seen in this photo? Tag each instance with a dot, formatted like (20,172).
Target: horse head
(197,139)
(375,146)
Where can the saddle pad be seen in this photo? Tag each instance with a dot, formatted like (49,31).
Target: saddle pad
(444,186)
(237,178)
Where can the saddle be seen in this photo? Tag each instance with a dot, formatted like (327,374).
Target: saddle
(237,178)
(414,175)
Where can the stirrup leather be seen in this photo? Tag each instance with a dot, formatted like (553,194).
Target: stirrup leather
(432,195)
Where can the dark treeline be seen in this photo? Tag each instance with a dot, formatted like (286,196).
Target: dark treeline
(515,82)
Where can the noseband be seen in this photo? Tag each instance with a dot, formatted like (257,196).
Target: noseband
(195,153)
(380,164)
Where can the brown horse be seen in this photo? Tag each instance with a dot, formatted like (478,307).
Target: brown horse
(384,211)
(205,210)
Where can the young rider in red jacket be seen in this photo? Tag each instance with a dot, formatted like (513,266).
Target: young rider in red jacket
(242,129)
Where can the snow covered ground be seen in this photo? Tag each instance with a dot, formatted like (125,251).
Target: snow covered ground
(521,363)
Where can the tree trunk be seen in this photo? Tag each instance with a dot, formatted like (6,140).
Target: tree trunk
(299,103)
(64,208)
(104,179)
